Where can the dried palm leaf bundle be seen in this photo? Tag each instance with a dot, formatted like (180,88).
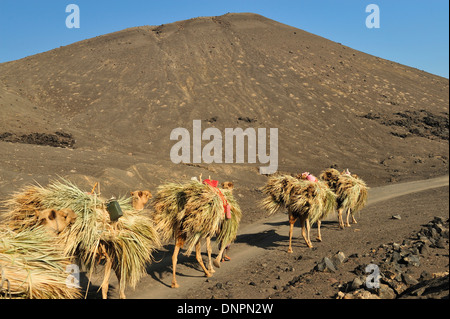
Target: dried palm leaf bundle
(309,201)
(278,190)
(168,202)
(33,267)
(302,197)
(328,198)
(351,193)
(331,177)
(194,211)
(229,227)
(130,240)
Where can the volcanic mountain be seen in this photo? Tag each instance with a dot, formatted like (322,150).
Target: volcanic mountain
(103,109)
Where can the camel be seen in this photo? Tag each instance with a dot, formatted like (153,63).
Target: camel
(312,178)
(86,231)
(55,221)
(305,200)
(351,193)
(140,199)
(191,212)
(229,186)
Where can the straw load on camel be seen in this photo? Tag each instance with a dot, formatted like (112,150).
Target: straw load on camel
(124,240)
(351,193)
(33,267)
(309,177)
(196,210)
(306,200)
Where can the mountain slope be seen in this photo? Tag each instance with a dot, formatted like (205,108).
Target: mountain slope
(125,92)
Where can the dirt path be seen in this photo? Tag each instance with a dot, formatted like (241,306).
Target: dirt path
(256,241)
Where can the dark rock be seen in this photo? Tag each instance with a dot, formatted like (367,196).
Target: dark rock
(423,249)
(386,292)
(407,242)
(436,288)
(360,270)
(396,257)
(440,243)
(339,258)
(389,270)
(397,286)
(414,250)
(434,234)
(356,283)
(357,294)
(412,260)
(425,275)
(409,280)
(325,265)
(438,220)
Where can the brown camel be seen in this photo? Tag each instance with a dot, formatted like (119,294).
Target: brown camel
(140,199)
(55,221)
(351,193)
(191,212)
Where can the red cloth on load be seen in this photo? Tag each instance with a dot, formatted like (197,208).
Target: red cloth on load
(226,206)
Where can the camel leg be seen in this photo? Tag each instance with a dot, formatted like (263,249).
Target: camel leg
(341,221)
(353,219)
(209,250)
(105,284)
(121,284)
(198,256)
(319,236)
(292,221)
(179,243)
(348,215)
(219,256)
(308,230)
(304,223)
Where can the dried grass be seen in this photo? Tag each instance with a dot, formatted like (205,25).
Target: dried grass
(351,192)
(300,197)
(130,241)
(32,266)
(194,211)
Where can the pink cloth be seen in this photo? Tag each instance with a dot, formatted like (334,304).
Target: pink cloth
(309,177)
(228,211)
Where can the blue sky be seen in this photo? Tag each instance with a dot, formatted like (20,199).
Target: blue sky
(412,32)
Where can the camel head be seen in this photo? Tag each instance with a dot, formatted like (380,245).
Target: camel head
(140,199)
(55,221)
(228,185)
(330,174)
